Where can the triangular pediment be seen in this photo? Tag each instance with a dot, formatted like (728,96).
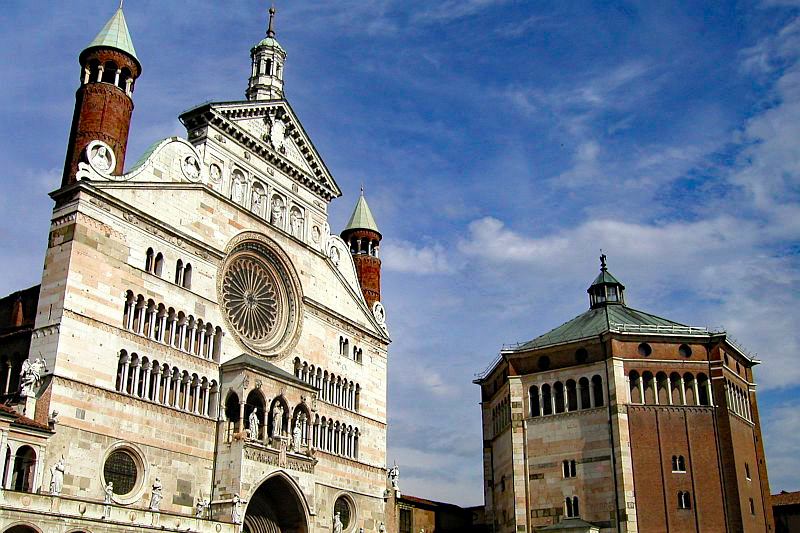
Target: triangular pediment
(272,131)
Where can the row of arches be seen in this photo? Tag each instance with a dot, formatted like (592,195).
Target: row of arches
(333,389)
(335,437)
(344,350)
(108,72)
(166,385)
(263,424)
(675,389)
(10,370)
(19,468)
(154,264)
(269,207)
(176,329)
(572,395)
(738,400)
(364,246)
(501,415)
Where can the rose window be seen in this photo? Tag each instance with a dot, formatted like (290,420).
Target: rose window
(250,298)
(260,296)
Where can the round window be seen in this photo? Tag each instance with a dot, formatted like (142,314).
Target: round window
(343,510)
(645,349)
(260,295)
(684,350)
(120,469)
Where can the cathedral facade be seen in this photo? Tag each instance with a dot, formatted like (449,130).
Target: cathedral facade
(622,421)
(205,354)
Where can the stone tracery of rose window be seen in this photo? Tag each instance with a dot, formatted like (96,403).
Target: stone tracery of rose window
(251,299)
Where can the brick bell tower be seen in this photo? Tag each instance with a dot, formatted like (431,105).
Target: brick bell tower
(362,234)
(103,103)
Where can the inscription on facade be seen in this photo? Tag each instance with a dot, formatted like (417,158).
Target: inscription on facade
(270,458)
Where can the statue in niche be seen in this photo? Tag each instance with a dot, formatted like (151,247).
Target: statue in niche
(253,421)
(214,172)
(276,212)
(237,188)
(191,168)
(101,159)
(155,496)
(277,134)
(297,432)
(31,376)
(57,477)
(277,420)
(257,205)
(335,256)
(296,223)
(337,523)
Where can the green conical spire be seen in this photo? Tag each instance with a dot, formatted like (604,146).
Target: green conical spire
(115,35)
(362,217)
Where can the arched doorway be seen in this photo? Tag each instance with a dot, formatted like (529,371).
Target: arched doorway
(21,528)
(276,507)
(24,466)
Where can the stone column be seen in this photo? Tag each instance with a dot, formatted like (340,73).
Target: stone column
(696,395)
(131,310)
(125,369)
(168,388)
(683,390)
(197,399)
(186,391)
(156,383)
(140,326)
(162,328)
(146,380)
(206,399)
(99,73)
(7,384)
(201,348)
(116,76)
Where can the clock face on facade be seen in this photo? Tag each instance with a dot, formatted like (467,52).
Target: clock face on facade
(260,296)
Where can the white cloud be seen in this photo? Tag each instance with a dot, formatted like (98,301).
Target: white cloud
(403,256)
(781,431)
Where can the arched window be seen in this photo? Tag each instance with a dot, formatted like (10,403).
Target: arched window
(663,388)
(158,265)
(678,464)
(179,272)
(533,392)
(649,388)
(94,71)
(255,402)
(572,507)
(547,402)
(636,386)
(572,395)
(232,415)
(568,467)
(675,388)
(689,389)
(684,500)
(558,395)
(149,260)
(124,74)
(703,389)
(597,391)
(109,72)
(24,468)
(187,276)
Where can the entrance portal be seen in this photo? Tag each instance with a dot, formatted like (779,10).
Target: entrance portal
(275,508)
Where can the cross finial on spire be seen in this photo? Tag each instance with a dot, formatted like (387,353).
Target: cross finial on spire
(362,188)
(602,261)
(270,31)
(120,4)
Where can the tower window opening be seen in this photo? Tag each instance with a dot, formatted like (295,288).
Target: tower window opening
(572,507)
(268,71)
(684,500)
(109,72)
(678,464)
(747,471)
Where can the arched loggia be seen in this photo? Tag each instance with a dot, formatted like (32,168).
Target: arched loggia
(277,505)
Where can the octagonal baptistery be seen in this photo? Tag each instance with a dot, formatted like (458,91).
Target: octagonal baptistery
(206,338)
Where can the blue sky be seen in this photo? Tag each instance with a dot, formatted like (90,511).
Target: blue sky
(501,144)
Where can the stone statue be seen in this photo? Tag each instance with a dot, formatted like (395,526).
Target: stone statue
(253,421)
(191,167)
(57,477)
(394,474)
(296,223)
(237,189)
(256,204)
(214,172)
(277,420)
(335,257)
(109,492)
(381,528)
(201,508)
(236,510)
(297,432)
(155,496)
(337,523)
(276,213)
(31,375)
(101,159)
